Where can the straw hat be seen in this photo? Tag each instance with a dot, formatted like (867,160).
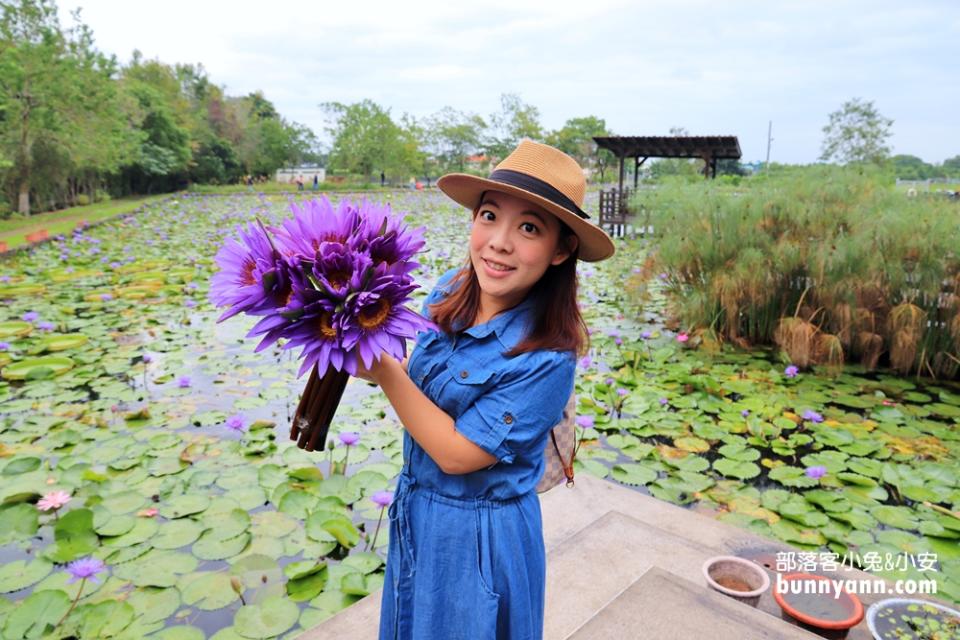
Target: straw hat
(546,177)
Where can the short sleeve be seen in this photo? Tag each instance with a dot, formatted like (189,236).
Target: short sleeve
(521,408)
(438,291)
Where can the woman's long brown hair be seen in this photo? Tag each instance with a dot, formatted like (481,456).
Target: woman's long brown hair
(557,323)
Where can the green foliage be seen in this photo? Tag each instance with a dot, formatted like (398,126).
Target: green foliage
(366,140)
(515,121)
(857,132)
(575,138)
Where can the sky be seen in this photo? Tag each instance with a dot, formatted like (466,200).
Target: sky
(712,68)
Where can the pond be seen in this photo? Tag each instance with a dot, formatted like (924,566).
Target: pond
(171,437)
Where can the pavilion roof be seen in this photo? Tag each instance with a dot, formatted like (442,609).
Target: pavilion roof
(718,147)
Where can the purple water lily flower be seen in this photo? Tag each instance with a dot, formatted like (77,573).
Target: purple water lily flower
(236,423)
(375,320)
(46,325)
(349,438)
(791,371)
(314,223)
(106,297)
(745,413)
(382,498)
(812,416)
(147,358)
(816,472)
(387,238)
(585,362)
(585,422)
(30,316)
(618,341)
(622,392)
(609,381)
(252,274)
(189,303)
(183,382)
(664,402)
(4,346)
(645,335)
(85,569)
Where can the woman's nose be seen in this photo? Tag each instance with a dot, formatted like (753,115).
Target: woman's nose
(500,239)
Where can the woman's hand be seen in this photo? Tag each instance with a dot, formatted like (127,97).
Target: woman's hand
(377,368)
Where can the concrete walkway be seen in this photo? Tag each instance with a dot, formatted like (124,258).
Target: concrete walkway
(621,564)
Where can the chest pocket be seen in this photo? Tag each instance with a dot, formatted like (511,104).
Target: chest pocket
(466,381)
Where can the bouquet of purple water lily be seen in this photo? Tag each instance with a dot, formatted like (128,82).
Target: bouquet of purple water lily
(333,281)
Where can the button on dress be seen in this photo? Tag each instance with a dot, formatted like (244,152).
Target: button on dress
(466,557)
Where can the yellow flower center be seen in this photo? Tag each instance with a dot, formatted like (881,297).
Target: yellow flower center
(326,328)
(371,319)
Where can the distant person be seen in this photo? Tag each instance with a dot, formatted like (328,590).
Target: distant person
(300,182)
(316,182)
(383,178)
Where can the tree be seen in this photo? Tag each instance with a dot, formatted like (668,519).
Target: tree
(575,139)
(908,167)
(516,120)
(951,167)
(366,140)
(452,135)
(857,132)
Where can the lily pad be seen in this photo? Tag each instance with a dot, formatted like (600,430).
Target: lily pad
(21,574)
(270,618)
(34,616)
(35,367)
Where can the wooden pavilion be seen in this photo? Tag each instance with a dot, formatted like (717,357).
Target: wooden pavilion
(613,204)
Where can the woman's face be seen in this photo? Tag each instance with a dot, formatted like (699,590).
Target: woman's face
(515,234)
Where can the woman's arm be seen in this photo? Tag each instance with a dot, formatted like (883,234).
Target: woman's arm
(428,424)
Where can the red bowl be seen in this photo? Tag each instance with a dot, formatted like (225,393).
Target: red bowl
(851,601)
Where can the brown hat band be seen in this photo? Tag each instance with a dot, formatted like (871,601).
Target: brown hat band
(538,187)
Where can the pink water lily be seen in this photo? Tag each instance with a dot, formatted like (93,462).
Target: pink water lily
(53,500)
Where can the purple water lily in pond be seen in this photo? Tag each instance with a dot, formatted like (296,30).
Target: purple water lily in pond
(382,498)
(645,335)
(236,422)
(4,346)
(46,325)
(585,362)
(183,382)
(791,371)
(812,416)
(349,438)
(85,569)
(816,472)
(314,223)
(30,316)
(664,402)
(585,422)
(745,413)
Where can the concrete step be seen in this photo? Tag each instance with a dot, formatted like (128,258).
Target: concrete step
(661,604)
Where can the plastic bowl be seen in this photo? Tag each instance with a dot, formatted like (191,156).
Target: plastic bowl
(809,609)
(735,577)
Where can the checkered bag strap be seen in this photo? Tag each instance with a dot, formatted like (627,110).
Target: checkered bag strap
(561,450)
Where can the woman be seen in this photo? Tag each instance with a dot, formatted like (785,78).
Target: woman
(466,556)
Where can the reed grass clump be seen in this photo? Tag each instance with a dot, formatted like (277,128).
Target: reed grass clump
(829,263)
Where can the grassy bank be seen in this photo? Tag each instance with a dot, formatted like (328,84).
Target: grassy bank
(14,230)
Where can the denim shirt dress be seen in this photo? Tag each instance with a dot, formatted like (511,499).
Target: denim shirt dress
(466,556)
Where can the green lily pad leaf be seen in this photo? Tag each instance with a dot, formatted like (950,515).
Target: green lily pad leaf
(255,570)
(207,590)
(692,464)
(21,574)
(792,477)
(856,517)
(154,605)
(360,585)
(184,505)
(128,554)
(297,503)
(177,533)
(18,328)
(333,601)
(272,523)
(307,587)
(364,561)
(107,524)
(143,530)
(266,620)
(212,547)
(834,461)
(633,473)
(104,619)
(828,500)
(63,341)
(857,479)
(124,502)
(735,469)
(944,410)
(739,452)
(900,517)
(74,536)
(31,367)
(593,467)
(36,614)
(791,532)
(302,569)
(17,522)
(919,493)
(21,464)
(341,528)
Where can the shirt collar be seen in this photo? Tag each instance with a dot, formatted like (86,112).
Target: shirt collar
(510,326)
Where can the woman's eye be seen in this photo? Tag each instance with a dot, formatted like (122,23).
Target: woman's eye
(484,213)
(532,227)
